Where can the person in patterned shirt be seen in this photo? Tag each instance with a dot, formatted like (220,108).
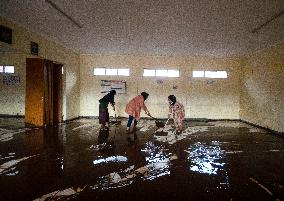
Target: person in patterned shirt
(176,112)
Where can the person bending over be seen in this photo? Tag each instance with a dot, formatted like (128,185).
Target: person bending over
(176,112)
(133,109)
(103,109)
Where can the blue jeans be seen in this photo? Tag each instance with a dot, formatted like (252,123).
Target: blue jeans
(130,120)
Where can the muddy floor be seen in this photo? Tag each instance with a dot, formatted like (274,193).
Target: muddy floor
(218,160)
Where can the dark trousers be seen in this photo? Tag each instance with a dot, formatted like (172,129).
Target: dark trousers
(103,114)
(130,119)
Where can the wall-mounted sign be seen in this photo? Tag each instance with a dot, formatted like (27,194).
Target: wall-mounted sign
(34,48)
(119,86)
(11,80)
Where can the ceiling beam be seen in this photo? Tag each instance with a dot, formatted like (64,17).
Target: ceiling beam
(267,22)
(63,13)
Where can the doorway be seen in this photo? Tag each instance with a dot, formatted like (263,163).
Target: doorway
(43,103)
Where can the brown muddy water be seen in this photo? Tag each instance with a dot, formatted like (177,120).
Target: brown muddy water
(218,160)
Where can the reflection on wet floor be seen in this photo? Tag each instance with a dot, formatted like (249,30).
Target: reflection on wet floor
(206,158)
(218,160)
(115,159)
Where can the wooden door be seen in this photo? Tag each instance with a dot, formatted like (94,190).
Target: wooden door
(43,92)
(48,93)
(35,87)
(57,93)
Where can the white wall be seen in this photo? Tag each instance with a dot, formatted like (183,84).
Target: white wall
(262,94)
(219,100)
(12,98)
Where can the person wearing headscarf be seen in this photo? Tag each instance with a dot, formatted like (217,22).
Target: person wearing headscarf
(133,109)
(176,112)
(103,108)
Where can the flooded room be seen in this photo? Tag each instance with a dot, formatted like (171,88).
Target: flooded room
(154,100)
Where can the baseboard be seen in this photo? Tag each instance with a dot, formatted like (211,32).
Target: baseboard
(206,120)
(69,120)
(188,119)
(11,116)
(209,120)
(191,119)
(281,134)
(90,117)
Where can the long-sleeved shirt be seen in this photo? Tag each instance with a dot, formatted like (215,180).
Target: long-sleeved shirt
(109,98)
(133,108)
(177,111)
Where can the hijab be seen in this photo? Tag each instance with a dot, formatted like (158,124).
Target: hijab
(173,99)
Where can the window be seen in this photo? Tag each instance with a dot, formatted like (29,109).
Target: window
(99,71)
(123,72)
(111,71)
(160,73)
(7,69)
(210,74)
(216,74)
(148,72)
(198,73)
(173,73)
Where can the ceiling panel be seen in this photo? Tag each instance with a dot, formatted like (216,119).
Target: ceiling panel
(153,27)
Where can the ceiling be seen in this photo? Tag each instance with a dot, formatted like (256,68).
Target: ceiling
(217,28)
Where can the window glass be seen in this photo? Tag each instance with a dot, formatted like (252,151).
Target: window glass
(148,72)
(197,73)
(123,71)
(173,73)
(9,69)
(163,73)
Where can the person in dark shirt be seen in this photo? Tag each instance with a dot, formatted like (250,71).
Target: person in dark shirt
(103,109)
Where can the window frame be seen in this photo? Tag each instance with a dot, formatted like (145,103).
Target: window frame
(160,75)
(105,69)
(122,69)
(111,72)
(4,71)
(206,74)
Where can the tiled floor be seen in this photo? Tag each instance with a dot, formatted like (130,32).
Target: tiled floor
(221,160)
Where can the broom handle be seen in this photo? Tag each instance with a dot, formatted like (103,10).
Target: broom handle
(165,124)
(153,117)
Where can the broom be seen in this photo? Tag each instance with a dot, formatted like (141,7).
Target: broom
(116,122)
(158,123)
(162,133)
